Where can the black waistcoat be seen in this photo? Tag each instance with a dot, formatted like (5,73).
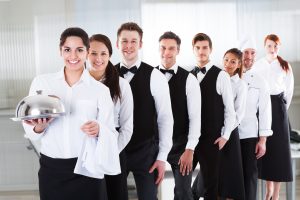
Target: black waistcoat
(212,109)
(177,85)
(144,114)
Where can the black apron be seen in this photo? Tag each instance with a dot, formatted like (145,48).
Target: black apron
(276,164)
(57,181)
(231,178)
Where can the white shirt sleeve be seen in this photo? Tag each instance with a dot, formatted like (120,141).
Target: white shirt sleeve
(240,102)
(160,91)
(264,110)
(194,110)
(29,132)
(289,82)
(100,155)
(125,115)
(224,88)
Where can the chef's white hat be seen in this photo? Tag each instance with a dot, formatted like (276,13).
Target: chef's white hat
(247,42)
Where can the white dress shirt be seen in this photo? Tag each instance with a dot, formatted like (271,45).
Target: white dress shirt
(160,91)
(279,81)
(239,90)
(123,113)
(223,88)
(86,100)
(258,100)
(193,97)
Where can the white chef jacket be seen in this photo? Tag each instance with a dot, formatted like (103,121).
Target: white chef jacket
(86,100)
(279,81)
(258,100)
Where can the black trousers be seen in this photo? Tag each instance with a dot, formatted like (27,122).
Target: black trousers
(182,189)
(249,167)
(116,186)
(139,162)
(208,155)
(58,182)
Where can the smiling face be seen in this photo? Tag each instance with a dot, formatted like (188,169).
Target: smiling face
(231,63)
(168,49)
(249,55)
(129,43)
(202,51)
(98,56)
(271,48)
(74,53)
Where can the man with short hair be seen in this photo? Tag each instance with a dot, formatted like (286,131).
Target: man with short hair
(256,124)
(217,117)
(153,119)
(186,107)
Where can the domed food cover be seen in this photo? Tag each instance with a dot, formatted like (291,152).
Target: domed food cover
(39,106)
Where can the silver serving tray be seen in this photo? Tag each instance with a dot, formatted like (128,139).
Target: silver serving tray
(53,115)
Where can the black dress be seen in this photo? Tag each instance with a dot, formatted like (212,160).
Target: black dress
(276,164)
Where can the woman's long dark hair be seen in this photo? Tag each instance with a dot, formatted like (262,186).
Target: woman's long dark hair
(111,79)
(283,63)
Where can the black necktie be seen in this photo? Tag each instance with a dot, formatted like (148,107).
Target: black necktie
(124,70)
(164,71)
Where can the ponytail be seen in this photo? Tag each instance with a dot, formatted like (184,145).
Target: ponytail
(284,64)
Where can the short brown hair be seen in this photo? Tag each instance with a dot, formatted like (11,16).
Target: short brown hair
(170,35)
(130,26)
(202,37)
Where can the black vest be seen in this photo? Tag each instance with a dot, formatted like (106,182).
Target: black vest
(177,85)
(212,109)
(144,112)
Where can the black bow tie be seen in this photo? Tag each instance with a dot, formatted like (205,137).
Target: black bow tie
(202,70)
(164,71)
(124,70)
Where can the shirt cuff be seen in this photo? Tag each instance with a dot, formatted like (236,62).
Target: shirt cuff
(31,135)
(162,156)
(265,132)
(191,144)
(226,135)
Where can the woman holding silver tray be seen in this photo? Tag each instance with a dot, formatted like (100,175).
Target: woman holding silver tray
(75,146)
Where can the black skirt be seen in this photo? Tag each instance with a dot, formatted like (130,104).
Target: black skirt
(231,179)
(276,164)
(58,181)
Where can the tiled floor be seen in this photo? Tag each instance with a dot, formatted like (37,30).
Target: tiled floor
(19,195)
(33,195)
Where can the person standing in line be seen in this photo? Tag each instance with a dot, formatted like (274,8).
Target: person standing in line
(276,166)
(64,174)
(231,182)
(186,106)
(217,117)
(255,127)
(104,71)
(152,118)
